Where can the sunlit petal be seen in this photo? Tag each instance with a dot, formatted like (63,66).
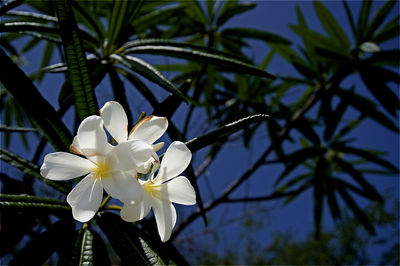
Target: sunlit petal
(92,138)
(123,187)
(64,166)
(75,148)
(179,190)
(176,159)
(115,120)
(132,154)
(149,129)
(165,217)
(136,212)
(158,146)
(85,198)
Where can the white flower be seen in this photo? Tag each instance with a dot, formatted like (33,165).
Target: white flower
(149,129)
(161,191)
(109,167)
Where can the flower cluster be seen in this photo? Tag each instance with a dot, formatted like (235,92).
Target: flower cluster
(117,168)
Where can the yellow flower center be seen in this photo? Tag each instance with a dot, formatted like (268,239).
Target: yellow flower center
(152,189)
(101,171)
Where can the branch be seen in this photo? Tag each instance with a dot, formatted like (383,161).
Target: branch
(335,81)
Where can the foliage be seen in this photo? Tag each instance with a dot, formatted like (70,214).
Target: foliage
(87,43)
(346,244)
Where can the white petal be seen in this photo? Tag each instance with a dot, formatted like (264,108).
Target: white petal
(158,146)
(176,159)
(115,120)
(74,147)
(149,129)
(180,190)
(135,212)
(64,166)
(85,198)
(165,215)
(92,138)
(123,187)
(134,154)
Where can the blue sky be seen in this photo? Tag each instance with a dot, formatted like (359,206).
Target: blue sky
(273,16)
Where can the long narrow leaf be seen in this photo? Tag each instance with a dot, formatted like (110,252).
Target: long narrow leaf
(41,112)
(85,99)
(29,169)
(223,62)
(4,128)
(367,155)
(126,241)
(25,202)
(149,72)
(9,5)
(27,26)
(209,138)
(362,217)
(256,34)
(330,25)
(40,248)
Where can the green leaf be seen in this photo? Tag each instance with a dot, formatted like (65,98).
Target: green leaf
(4,128)
(85,99)
(166,42)
(169,106)
(362,22)
(366,107)
(41,112)
(319,193)
(122,15)
(318,40)
(334,120)
(119,93)
(33,17)
(126,241)
(26,202)
(195,12)
(30,169)
(27,26)
(46,58)
(349,14)
(139,85)
(332,201)
(331,26)
(223,62)
(362,217)
(366,155)
(376,85)
(89,19)
(306,127)
(359,178)
(256,34)
(231,9)
(89,249)
(156,17)
(388,32)
(9,5)
(149,72)
(209,138)
(386,57)
(379,17)
(296,158)
(58,236)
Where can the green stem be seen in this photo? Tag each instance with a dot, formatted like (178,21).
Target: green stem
(113,207)
(105,201)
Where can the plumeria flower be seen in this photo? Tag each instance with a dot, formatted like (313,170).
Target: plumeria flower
(161,191)
(105,166)
(149,129)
